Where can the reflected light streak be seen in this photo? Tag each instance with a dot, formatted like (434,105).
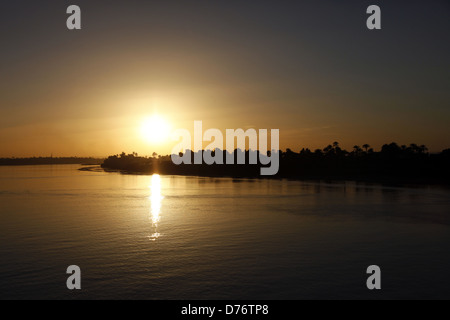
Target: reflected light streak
(155,201)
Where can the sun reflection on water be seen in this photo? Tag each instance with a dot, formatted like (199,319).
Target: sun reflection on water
(155,202)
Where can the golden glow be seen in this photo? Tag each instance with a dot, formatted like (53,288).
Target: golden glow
(156,202)
(155,129)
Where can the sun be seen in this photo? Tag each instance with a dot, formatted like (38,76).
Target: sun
(155,129)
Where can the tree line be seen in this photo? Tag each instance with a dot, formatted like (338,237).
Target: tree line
(393,163)
(49,160)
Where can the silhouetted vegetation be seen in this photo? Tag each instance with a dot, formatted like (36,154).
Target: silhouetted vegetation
(48,160)
(393,163)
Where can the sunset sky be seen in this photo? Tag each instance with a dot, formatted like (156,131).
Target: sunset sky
(309,68)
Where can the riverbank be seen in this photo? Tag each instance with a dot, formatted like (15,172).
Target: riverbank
(379,180)
(50,160)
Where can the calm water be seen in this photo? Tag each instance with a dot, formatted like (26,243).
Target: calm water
(169,237)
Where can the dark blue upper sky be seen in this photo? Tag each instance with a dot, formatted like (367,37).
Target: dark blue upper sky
(310,68)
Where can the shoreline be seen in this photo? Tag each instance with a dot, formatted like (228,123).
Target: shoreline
(384,181)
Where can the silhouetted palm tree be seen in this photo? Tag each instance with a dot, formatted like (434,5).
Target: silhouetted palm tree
(423,149)
(318,152)
(415,148)
(328,148)
(391,149)
(357,150)
(305,151)
(366,147)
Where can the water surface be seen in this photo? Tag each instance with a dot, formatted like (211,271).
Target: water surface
(173,237)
